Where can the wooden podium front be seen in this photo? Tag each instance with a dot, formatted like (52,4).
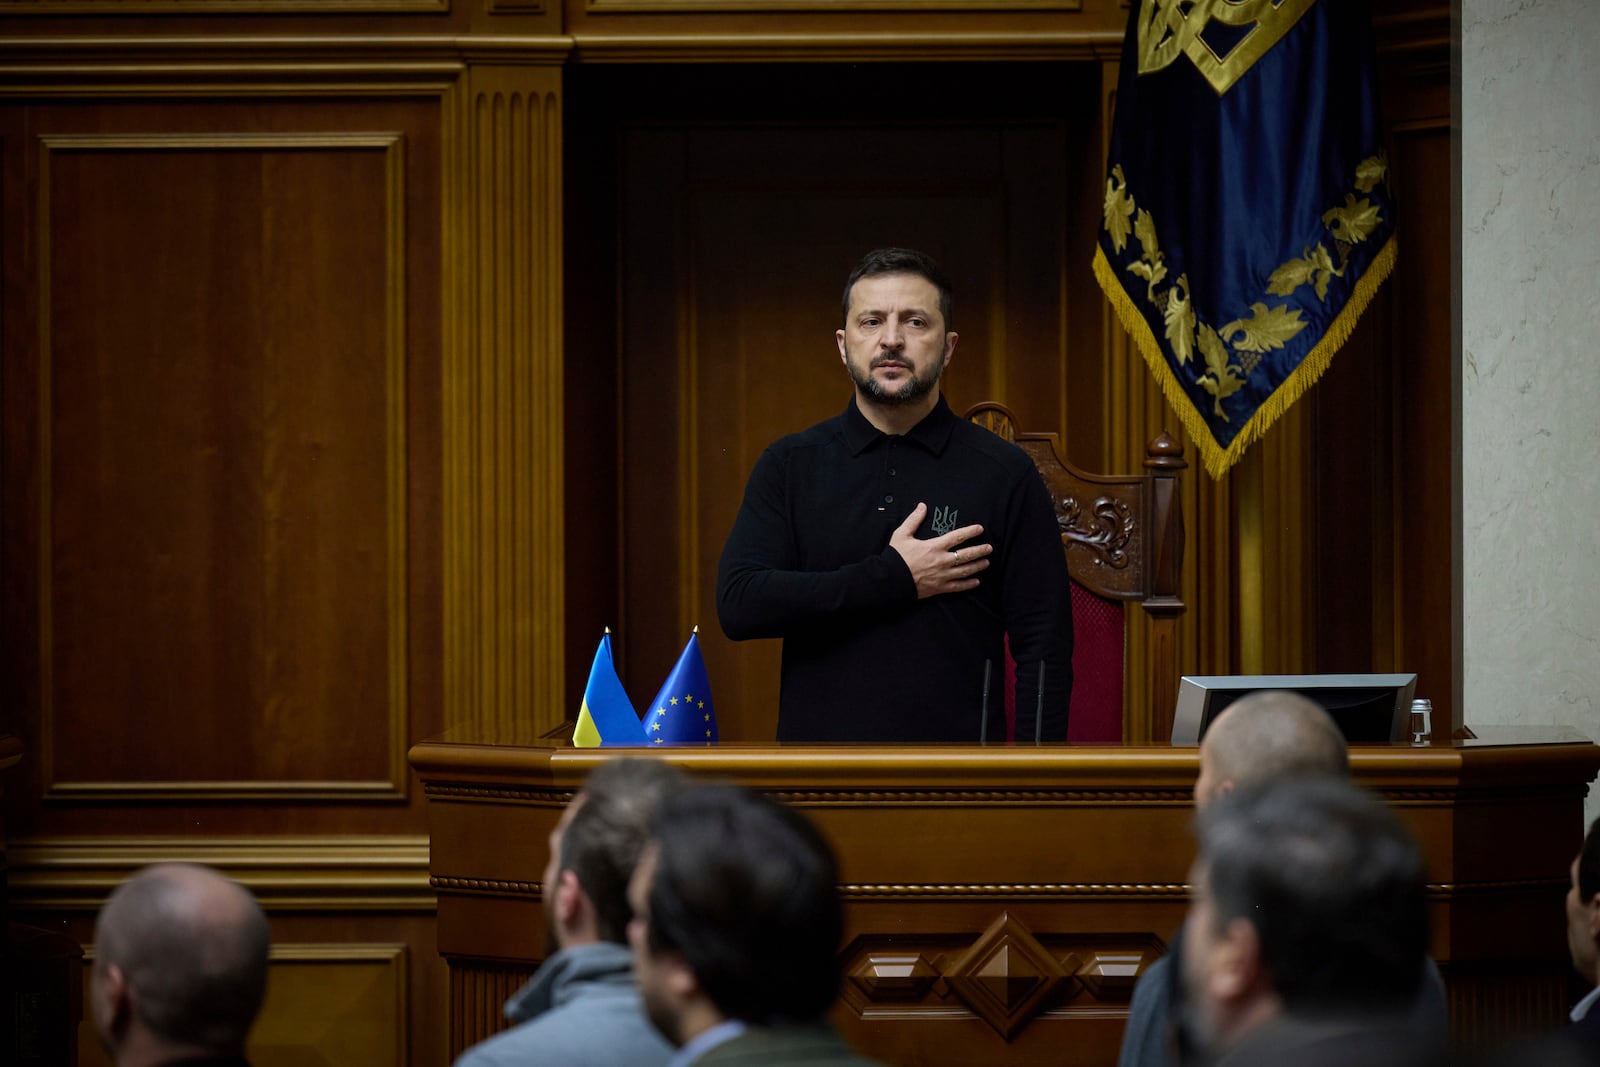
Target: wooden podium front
(1000,901)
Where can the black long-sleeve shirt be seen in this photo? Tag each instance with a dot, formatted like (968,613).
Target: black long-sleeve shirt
(863,658)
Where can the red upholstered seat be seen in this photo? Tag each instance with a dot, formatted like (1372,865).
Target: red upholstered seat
(1123,539)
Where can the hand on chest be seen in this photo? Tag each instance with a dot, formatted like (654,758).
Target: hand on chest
(857,506)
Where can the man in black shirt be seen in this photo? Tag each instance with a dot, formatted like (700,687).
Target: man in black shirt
(896,547)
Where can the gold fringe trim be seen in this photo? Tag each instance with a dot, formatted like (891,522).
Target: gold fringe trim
(1216,459)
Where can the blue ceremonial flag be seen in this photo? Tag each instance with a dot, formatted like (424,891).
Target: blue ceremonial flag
(1248,215)
(606,716)
(682,710)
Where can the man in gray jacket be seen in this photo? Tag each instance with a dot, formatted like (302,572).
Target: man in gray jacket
(581,1007)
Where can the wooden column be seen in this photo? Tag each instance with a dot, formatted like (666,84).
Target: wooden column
(504,590)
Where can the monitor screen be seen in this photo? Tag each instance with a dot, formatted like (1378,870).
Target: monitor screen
(1369,708)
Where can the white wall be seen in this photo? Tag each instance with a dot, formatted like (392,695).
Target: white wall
(1530,108)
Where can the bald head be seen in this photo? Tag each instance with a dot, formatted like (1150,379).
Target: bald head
(180,953)
(1267,735)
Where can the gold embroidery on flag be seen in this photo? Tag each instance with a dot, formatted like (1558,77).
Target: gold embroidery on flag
(1170,28)
(1232,353)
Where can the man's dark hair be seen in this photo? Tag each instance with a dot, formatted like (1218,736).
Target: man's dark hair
(1333,884)
(1589,863)
(194,958)
(601,844)
(745,891)
(903,261)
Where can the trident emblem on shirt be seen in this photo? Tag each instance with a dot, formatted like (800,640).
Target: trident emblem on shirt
(944,520)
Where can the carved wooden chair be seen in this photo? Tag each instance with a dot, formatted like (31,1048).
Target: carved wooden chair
(1123,537)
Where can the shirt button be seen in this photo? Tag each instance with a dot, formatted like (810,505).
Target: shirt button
(891,472)
(888,498)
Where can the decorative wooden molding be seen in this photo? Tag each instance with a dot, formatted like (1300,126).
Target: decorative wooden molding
(289,874)
(504,591)
(1014,891)
(515,7)
(1006,975)
(395,785)
(486,886)
(15,8)
(1085,44)
(356,65)
(829,6)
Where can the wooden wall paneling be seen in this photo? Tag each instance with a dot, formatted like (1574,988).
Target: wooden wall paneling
(221,545)
(504,589)
(591,371)
(223,463)
(221,456)
(1352,537)
(1422,367)
(1283,533)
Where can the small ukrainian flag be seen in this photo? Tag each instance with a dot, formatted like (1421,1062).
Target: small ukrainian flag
(607,716)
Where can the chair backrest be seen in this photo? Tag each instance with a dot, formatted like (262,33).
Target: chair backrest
(1123,539)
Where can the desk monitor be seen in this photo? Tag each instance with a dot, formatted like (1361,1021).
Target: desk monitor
(1369,708)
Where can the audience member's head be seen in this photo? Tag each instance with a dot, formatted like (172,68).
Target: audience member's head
(180,965)
(1309,901)
(1583,907)
(595,847)
(736,914)
(1268,735)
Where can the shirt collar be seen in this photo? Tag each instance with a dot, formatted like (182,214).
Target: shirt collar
(932,433)
(1581,1009)
(705,1041)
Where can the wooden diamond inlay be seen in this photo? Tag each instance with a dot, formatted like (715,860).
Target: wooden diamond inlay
(1006,975)
(894,977)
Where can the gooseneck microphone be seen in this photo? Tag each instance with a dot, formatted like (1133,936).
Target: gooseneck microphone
(983,709)
(1038,708)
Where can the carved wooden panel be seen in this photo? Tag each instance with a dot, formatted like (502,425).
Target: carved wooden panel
(222,461)
(478,993)
(1005,974)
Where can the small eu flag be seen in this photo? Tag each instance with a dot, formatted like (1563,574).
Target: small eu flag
(607,716)
(682,710)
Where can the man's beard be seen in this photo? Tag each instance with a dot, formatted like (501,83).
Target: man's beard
(914,388)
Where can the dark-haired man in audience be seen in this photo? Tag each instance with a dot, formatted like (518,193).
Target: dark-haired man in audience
(1307,930)
(736,923)
(180,968)
(582,1008)
(1257,739)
